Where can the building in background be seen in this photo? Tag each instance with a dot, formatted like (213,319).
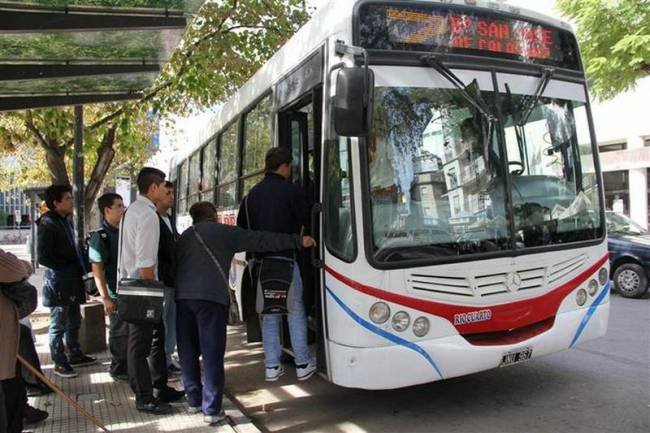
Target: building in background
(623,134)
(14,209)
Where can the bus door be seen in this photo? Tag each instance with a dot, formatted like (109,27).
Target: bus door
(299,128)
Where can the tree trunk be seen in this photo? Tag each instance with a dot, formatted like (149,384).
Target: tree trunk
(105,155)
(55,158)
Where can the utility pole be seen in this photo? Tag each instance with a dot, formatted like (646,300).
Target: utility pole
(78,175)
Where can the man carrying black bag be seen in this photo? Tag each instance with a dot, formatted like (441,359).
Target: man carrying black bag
(138,259)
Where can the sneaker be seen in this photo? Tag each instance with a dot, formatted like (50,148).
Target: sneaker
(304,372)
(168,394)
(173,373)
(81,360)
(37,390)
(213,419)
(155,407)
(31,415)
(274,373)
(120,377)
(65,371)
(193,410)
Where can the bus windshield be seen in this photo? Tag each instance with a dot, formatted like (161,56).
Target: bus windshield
(437,177)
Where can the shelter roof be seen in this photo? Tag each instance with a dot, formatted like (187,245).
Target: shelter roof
(69,52)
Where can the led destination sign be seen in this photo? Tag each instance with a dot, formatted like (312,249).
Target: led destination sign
(441,29)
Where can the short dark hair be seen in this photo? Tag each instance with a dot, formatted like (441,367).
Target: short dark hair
(275,157)
(169,184)
(202,211)
(106,200)
(147,177)
(55,193)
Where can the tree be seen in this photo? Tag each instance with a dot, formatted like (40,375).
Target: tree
(41,142)
(222,48)
(614,37)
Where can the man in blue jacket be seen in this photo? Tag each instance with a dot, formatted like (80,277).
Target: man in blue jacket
(62,283)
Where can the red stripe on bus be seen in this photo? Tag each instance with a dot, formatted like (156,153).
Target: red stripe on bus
(504,316)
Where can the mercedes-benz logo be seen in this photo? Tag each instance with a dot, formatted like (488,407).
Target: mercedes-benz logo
(513,281)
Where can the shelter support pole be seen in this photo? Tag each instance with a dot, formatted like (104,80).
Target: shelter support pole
(78,174)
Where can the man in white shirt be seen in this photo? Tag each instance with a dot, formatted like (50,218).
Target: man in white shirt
(138,258)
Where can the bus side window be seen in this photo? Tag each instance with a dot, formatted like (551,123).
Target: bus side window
(339,233)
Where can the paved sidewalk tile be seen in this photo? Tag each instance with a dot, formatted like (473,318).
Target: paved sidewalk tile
(114,405)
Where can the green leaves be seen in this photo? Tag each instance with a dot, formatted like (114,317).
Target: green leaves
(614,37)
(222,49)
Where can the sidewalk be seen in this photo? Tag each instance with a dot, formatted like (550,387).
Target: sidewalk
(111,402)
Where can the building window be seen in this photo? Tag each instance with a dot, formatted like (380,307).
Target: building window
(617,191)
(612,147)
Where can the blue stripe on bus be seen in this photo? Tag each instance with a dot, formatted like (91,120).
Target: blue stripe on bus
(382,333)
(590,312)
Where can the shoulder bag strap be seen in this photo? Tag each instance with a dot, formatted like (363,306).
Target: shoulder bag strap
(214,260)
(121,235)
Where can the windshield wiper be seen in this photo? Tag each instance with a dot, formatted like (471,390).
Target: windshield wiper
(478,102)
(529,102)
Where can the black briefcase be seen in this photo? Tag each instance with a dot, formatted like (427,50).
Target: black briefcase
(140,301)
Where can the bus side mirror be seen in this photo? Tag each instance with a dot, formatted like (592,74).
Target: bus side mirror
(352,105)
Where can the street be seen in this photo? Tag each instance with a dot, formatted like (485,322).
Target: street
(600,386)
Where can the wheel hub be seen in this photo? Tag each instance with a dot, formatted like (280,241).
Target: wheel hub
(628,280)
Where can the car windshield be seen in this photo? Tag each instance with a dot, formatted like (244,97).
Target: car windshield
(620,224)
(437,177)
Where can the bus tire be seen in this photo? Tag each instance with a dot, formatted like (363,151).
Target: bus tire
(630,280)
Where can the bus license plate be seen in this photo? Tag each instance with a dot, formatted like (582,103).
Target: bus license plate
(516,356)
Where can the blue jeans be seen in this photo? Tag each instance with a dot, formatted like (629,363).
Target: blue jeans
(202,332)
(297,328)
(64,321)
(169,319)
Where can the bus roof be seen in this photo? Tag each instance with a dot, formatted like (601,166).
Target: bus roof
(332,18)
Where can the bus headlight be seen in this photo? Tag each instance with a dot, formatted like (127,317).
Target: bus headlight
(401,321)
(379,312)
(421,326)
(603,276)
(592,287)
(581,297)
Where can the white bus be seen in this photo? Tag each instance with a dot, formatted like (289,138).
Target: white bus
(448,152)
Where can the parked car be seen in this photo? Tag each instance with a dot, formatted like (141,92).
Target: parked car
(629,255)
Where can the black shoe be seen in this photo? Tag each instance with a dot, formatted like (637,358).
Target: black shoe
(65,371)
(81,360)
(155,407)
(31,415)
(169,394)
(120,377)
(37,390)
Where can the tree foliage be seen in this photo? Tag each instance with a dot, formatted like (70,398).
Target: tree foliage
(614,37)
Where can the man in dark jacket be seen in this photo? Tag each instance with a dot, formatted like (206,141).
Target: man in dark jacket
(62,281)
(278,206)
(168,237)
(202,299)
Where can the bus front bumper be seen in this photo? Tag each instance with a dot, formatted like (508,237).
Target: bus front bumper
(416,362)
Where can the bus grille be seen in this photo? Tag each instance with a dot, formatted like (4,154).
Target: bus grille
(486,285)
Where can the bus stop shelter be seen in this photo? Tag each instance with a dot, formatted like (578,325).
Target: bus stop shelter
(76,52)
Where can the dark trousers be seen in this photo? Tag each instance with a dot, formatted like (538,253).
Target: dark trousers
(64,321)
(14,402)
(201,330)
(118,341)
(145,360)
(27,350)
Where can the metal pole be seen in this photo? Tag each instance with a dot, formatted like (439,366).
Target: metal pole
(78,174)
(32,218)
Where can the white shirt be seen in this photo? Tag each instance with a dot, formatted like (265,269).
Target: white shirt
(139,238)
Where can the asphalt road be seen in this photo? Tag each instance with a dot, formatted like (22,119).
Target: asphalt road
(600,386)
